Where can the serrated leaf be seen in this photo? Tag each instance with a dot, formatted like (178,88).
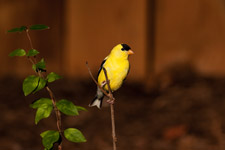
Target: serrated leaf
(74,135)
(22,28)
(53,76)
(30,84)
(67,107)
(41,84)
(38,27)
(32,52)
(49,138)
(79,108)
(42,101)
(18,52)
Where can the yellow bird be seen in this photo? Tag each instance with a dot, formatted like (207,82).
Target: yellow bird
(117,67)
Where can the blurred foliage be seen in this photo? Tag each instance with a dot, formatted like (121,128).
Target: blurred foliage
(45,106)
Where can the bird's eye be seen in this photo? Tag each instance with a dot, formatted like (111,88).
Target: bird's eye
(122,49)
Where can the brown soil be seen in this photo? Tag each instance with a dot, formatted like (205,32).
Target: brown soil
(185,111)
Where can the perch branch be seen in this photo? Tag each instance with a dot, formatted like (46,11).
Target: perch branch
(111,98)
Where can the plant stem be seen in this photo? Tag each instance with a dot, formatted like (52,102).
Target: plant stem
(57,112)
(28,36)
(113,126)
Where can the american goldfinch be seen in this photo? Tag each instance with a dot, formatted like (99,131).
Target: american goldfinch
(117,67)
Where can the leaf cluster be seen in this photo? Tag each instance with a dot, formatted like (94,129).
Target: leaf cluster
(44,106)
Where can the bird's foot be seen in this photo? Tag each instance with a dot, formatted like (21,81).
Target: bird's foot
(111,101)
(103,84)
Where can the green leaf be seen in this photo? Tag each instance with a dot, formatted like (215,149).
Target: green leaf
(34,67)
(40,66)
(30,84)
(15,30)
(79,108)
(18,52)
(32,52)
(53,76)
(44,108)
(33,84)
(49,138)
(67,107)
(39,27)
(42,101)
(41,84)
(43,112)
(22,28)
(74,135)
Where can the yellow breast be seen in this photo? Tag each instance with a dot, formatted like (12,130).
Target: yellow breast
(117,70)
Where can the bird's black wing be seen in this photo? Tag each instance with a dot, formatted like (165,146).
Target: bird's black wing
(127,73)
(101,66)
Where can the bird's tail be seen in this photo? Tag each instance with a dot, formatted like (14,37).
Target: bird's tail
(96,102)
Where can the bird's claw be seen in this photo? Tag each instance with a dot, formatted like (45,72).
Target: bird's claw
(111,101)
(103,83)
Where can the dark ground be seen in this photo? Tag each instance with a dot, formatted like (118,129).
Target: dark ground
(184,111)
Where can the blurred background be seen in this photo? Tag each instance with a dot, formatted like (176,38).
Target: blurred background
(173,98)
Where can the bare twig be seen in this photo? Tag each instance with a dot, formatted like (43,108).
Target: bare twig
(57,112)
(111,98)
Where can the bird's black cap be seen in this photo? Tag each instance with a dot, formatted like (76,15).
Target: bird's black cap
(125,47)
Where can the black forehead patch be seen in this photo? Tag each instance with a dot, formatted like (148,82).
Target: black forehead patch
(125,47)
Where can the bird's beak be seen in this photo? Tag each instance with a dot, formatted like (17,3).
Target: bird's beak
(130,52)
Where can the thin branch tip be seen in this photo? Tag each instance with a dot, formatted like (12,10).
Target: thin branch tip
(96,82)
